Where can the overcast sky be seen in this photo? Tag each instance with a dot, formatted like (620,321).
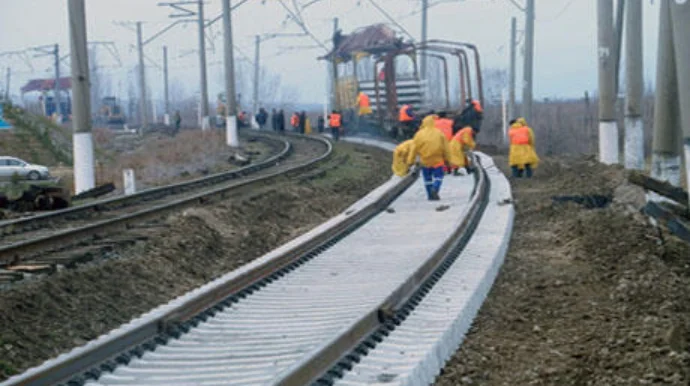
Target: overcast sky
(565,39)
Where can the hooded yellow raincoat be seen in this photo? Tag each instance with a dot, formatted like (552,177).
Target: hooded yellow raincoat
(432,146)
(522,151)
(462,141)
(401,158)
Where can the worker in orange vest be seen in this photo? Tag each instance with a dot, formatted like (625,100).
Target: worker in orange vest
(364,104)
(335,122)
(294,121)
(523,156)
(445,126)
(407,121)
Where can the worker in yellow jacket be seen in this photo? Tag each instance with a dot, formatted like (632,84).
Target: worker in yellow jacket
(403,158)
(461,143)
(432,148)
(523,156)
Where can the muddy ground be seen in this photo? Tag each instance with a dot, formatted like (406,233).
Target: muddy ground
(43,318)
(586,296)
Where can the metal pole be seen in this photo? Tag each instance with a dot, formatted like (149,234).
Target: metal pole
(620,8)
(58,107)
(255,102)
(680,16)
(608,128)
(7,84)
(232,138)
(634,133)
(84,177)
(166,95)
(142,80)
(513,48)
(425,5)
(529,60)
(334,103)
(665,149)
(205,123)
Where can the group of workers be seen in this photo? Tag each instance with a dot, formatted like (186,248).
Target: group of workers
(444,146)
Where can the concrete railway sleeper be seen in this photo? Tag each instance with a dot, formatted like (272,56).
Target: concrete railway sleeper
(250,327)
(281,149)
(142,216)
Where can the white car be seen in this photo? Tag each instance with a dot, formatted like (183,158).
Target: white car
(11,165)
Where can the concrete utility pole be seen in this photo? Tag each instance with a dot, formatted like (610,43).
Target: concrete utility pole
(58,105)
(665,155)
(680,16)
(425,6)
(529,60)
(84,177)
(166,115)
(618,42)
(142,80)
(513,49)
(634,133)
(205,122)
(608,128)
(334,101)
(232,137)
(255,102)
(7,84)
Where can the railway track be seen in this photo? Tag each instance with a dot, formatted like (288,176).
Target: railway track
(305,313)
(40,243)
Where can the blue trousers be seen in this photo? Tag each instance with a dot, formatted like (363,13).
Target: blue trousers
(433,177)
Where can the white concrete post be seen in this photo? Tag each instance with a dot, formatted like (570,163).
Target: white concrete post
(129,181)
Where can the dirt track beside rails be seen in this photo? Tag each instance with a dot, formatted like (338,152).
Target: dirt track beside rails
(586,296)
(43,318)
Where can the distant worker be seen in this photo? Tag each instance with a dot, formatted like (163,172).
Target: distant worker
(472,114)
(445,125)
(320,123)
(274,120)
(335,123)
(262,118)
(280,121)
(461,144)
(364,104)
(178,120)
(406,119)
(522,157)
(294,122)
(302,121)
(432,147)
(307,125)
(403,158)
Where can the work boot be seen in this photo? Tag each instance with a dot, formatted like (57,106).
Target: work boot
(434,196)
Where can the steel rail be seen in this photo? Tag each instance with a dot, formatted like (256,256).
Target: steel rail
(11,254)
(38,221)
(317,365)
(156,327)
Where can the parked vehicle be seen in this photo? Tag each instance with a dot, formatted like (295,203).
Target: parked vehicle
(10,166)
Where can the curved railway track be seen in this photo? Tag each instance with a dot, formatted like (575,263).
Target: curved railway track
(302,314)
(26,241)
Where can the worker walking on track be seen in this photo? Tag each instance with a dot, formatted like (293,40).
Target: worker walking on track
(406,119)
(335,122)
(403,158)
(461,144)
(294,122)
(432,147)
(364,109)
(445,126)
(523,156)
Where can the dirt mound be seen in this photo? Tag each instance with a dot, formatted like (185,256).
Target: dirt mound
(42,318)
(586,296)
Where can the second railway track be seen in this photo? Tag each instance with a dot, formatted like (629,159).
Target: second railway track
(26,240)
